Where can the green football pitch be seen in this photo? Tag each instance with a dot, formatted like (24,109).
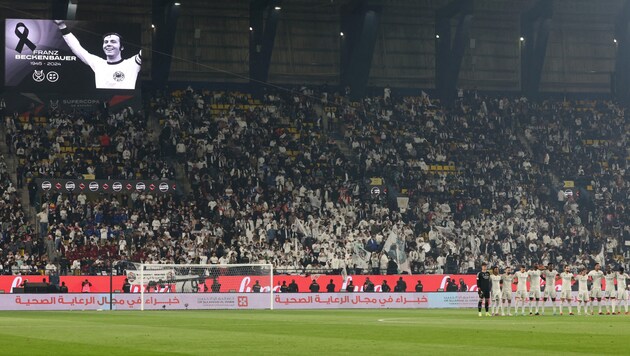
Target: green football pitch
(321,332)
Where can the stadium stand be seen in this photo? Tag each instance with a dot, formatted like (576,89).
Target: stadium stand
(286,178)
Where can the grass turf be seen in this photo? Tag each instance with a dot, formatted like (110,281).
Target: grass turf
(366,332)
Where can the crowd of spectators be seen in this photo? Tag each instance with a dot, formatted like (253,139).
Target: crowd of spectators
(21,251)
(506,200)
(284,177)
(75,144)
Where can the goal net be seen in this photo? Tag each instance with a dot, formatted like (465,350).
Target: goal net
(197,286)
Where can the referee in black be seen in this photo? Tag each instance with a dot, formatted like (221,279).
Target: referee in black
(483,285)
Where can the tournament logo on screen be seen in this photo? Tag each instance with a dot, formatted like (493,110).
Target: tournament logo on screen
(71,56)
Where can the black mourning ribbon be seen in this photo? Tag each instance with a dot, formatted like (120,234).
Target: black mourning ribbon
(23,36)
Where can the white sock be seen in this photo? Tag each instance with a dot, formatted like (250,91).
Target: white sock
(570,311)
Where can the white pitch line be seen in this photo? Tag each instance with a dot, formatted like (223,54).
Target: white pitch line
(399,321)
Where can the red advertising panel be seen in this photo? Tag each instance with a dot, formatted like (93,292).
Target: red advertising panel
(244,284)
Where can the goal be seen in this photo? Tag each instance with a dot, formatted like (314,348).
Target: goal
(197,286)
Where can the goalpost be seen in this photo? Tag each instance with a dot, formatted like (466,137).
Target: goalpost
(203,280)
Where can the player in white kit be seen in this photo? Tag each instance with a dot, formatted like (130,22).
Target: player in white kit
(521,289)
(583,297)
(534,287)
(610,294)
(549,275)
(622,289)
(565,291)
(506,289)
(596,276)
(495,292)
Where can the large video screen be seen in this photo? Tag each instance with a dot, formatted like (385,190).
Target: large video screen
(71,56)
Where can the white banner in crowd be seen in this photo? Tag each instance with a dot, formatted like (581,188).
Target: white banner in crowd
(403,203)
